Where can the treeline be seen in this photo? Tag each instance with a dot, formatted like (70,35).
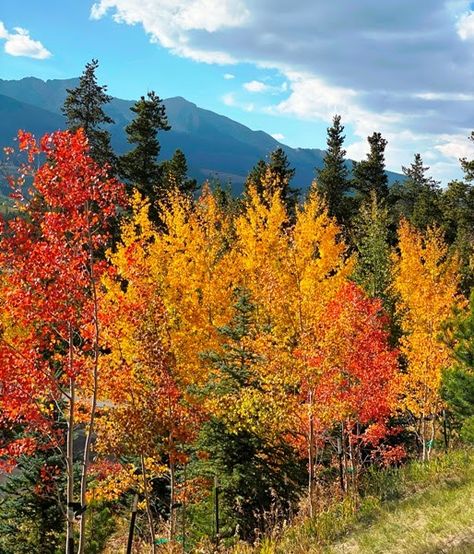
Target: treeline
(219,358)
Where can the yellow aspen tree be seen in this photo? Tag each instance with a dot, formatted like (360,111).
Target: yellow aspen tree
(146,411)
(426,283)
(293,273)
(193,267)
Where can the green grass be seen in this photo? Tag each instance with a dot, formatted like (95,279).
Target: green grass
(419,509)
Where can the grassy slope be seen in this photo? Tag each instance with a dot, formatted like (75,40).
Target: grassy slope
(420,509)
(436,520)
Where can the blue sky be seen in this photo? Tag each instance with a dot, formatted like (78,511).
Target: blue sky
(400,67)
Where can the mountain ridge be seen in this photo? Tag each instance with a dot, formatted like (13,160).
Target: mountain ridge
(215,145)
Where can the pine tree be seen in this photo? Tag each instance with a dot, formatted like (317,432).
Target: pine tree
(458,381)
(253,471)
(372,271)
(418,197)
(84,107)
(370,174)
(175,174)
(457,209)
(140,166)
(468,165)
(332,178)
(272,176)
(31,505)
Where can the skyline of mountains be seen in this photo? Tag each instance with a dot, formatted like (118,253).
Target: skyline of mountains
(214,145)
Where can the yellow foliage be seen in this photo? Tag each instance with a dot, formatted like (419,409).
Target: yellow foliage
(425,280)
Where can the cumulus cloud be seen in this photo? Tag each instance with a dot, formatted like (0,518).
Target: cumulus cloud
(230,99)
(173,23)
(229,76)
(255,86)
(387,66)
(465,26)
(19,43)
(259,86)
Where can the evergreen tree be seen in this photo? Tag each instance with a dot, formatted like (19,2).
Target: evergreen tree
(332,179)
(468,165)
(175,174)
(253,472)
(457,209)
(140,166)
(369,175)
(418,197)
(274,176)
(32,505)
(372,242)
(458,381)
(84,107)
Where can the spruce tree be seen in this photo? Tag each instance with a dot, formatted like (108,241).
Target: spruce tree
(369,175)
(252,470)
(84,107)
(175,174)
(418,197)
(458,381)
(372,243)
(32,505)
(140,166)
(457,209)
(468,165)
(332,179)
(274,176)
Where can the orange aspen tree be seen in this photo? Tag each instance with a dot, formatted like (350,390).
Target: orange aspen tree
(50,259)
(426,282)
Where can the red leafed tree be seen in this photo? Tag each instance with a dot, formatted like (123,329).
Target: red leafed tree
(51,264)
(352,370)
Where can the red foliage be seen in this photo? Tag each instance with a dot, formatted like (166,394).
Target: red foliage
(49,261)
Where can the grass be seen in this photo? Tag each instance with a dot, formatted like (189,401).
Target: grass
(418,509)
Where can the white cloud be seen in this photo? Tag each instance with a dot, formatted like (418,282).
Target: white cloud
(171,22)
(260,86)
(255,86)
(402,68)
(3,31)
(230,99)
(19,43)
(465,26)
(278,136)
(229,76)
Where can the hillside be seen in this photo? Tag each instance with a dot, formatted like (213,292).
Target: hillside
(214,145)
(419,509)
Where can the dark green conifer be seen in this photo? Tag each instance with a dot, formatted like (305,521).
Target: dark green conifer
(332,179)
(458,381)
(417,199)
(274,176)
(175,174)
(253,472)
(140,166)
(84,107)
(369,175)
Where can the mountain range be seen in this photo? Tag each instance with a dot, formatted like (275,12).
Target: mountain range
(214,145)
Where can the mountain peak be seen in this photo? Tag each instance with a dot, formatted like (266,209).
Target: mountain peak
(214,145)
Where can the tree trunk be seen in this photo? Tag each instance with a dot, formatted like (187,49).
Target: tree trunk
(431,441)
(70,471)
(95,387)
(311,456)
(70,453)
(423,439)
(151,525)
